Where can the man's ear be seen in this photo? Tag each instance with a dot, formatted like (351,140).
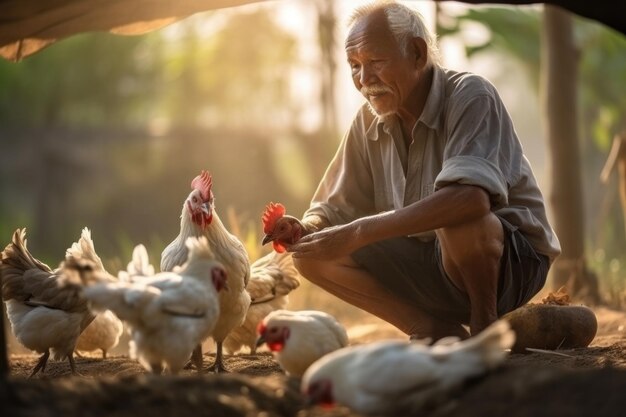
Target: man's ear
(419,49)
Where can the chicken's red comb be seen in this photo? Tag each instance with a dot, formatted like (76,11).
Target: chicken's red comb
(203,184)
(273,212)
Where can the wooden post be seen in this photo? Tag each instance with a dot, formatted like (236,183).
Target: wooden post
(617,156)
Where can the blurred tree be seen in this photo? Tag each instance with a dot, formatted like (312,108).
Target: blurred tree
(235,77)
(328,132)
(103,125)
(91,79)
(559,65)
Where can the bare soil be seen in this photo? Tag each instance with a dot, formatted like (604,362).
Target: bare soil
(578,382)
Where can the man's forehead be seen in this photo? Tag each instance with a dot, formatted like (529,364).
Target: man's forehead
(370,29)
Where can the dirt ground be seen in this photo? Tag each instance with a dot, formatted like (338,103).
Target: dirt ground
(577,382)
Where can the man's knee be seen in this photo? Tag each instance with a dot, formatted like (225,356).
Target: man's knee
(478,241)
(318,271)
(308,268)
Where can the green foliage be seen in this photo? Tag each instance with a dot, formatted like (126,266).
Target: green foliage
(514,32)
(235,76)
(90,79)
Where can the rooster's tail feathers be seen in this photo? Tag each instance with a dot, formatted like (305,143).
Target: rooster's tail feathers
(17,257)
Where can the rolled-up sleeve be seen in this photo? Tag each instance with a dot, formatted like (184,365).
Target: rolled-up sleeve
(482,148)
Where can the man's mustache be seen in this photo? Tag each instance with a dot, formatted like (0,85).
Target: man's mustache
(374,90)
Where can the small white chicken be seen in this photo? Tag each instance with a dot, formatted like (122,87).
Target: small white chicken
(299,338)
(272,278)
(170,313)
(402,378)
(199,218)
(104,331)
(46,312)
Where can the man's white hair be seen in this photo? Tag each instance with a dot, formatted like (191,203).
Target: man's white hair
(404,23)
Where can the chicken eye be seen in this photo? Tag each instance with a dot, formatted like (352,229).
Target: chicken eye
(194,199)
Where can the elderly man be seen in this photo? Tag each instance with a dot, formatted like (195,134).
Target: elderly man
(429,215)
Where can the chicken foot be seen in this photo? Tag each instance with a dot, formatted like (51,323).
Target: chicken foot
(218,366)
(41,364)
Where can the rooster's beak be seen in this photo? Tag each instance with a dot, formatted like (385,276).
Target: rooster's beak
(205,208)
(260,341)
(267,239)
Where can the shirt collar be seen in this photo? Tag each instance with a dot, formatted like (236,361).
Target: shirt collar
(431,115)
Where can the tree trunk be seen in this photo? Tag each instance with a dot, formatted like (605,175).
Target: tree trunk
(559,97)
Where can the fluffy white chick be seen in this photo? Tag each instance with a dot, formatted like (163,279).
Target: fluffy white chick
(272,278)
(299,338)
(104,331)
(170,313)
(398,377)
(47,314)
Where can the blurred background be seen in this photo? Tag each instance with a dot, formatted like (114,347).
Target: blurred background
(107,131)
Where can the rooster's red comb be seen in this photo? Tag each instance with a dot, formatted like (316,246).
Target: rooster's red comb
(273,212)
(203,184)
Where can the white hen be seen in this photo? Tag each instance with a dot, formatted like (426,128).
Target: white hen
(272,278)
(104,331)
(170,313)
(46,313)
(401,378)
(299,338)
(199,218)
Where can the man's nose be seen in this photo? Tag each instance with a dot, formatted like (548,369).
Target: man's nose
(367,76)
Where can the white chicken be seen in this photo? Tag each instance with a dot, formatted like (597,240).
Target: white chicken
(104,331)
(272,278)
(170,313)
(199,218)
(46,312)
(299,338)
(402,378)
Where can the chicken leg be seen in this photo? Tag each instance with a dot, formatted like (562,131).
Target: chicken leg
(41,363)
(218,366)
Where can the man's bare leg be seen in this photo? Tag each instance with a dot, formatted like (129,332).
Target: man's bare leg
(346,280)
(471,256)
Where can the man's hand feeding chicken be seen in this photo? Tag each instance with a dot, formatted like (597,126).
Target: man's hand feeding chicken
(429,215)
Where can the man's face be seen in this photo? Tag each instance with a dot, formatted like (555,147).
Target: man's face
(380,70)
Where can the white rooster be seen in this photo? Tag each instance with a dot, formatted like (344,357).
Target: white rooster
(105,330)
(272,278)
(199,218)
(299,338)
(170,313)
(402,378)
(46,312)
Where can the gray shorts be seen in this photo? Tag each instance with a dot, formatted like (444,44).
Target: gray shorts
(412,269)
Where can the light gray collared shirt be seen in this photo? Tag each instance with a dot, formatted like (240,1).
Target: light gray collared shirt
(464,135)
